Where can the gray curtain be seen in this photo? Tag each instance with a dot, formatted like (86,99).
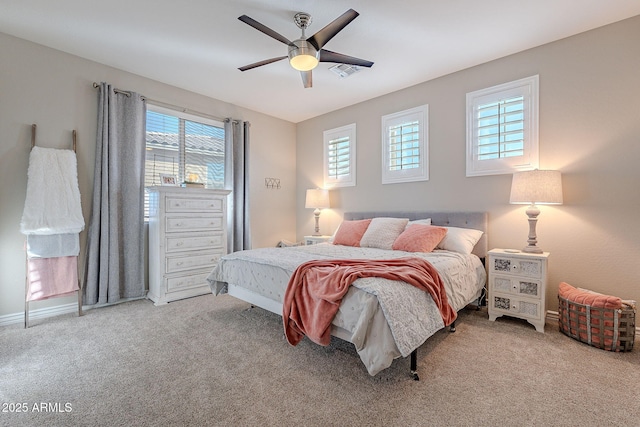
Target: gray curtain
(114,256)
(237,134)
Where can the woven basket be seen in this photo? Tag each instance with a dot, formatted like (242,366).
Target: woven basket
(605,328)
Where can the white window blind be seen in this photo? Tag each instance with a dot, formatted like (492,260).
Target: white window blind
(340,156)
(187,147)
(405,146)
(502,128)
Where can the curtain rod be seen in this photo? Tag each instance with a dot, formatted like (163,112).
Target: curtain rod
(166,105)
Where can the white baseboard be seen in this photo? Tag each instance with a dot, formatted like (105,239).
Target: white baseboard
(554,317)
(43,313)
(40,313)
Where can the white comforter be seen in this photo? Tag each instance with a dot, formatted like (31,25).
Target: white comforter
(382,321)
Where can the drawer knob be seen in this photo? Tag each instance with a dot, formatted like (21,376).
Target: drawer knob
(179,244)
(179,263)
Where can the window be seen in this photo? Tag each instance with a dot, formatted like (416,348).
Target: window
(405,146)
(502,128)
(340,156)
(189,147)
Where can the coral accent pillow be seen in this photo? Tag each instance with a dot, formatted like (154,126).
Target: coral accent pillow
(350,232)
(587,297)
(419,238)
(382,232)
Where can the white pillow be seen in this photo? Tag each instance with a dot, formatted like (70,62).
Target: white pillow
(382,232)
(460,240)
(426,221)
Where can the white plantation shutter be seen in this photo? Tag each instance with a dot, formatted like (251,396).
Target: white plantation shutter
(502,128)
(340,156)
(405,146)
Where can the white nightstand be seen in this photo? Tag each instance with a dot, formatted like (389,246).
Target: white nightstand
(312,240)
(517,283)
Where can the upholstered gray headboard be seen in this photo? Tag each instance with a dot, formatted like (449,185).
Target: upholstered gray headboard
(477,220)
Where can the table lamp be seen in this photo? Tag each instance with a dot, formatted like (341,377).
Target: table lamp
(542,187)
(317,199)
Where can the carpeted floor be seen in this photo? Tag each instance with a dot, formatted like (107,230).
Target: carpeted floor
(212,361)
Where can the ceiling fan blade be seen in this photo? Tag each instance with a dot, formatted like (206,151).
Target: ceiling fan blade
(320,38)
(307,79)
(261,63)
(329,56)
(263,28)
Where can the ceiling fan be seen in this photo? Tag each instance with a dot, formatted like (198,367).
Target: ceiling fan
(305,53)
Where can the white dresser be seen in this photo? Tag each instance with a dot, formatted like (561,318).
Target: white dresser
(187,236)
(517,284)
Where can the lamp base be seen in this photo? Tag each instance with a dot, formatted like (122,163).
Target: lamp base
(532,213)
(532,250)
(316,214)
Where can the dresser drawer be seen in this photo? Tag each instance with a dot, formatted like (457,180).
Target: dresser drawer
(525,287)
(177,223)
(516,266)
(193,204)
(190,242)
(181,283)
(514,306)
(192,262)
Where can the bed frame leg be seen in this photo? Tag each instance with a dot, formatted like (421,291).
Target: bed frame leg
(414,365)
(452,327)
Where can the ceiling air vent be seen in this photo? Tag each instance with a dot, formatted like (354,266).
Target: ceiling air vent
(344,70)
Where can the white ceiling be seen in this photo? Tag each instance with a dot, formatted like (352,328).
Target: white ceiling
(198,45)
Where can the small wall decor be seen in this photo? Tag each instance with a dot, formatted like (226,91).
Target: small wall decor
(272,183)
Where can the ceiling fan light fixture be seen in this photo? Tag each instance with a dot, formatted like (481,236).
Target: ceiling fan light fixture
(302,55)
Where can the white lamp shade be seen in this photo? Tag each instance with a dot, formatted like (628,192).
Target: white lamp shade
(317,199)
(537,186)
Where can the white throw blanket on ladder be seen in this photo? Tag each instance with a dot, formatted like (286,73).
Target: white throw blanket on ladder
(52,205)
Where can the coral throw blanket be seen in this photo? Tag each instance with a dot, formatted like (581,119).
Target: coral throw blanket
(316,289)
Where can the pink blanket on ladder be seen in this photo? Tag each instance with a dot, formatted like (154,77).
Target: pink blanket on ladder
(51,277)
(316,289)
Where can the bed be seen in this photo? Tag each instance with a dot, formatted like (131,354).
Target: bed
(384,319)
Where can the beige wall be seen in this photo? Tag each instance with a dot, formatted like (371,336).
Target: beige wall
(54,90)
(589,129)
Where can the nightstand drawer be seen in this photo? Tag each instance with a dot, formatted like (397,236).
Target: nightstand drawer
(517,286)
(313,240)
(516,266)
(514,306)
